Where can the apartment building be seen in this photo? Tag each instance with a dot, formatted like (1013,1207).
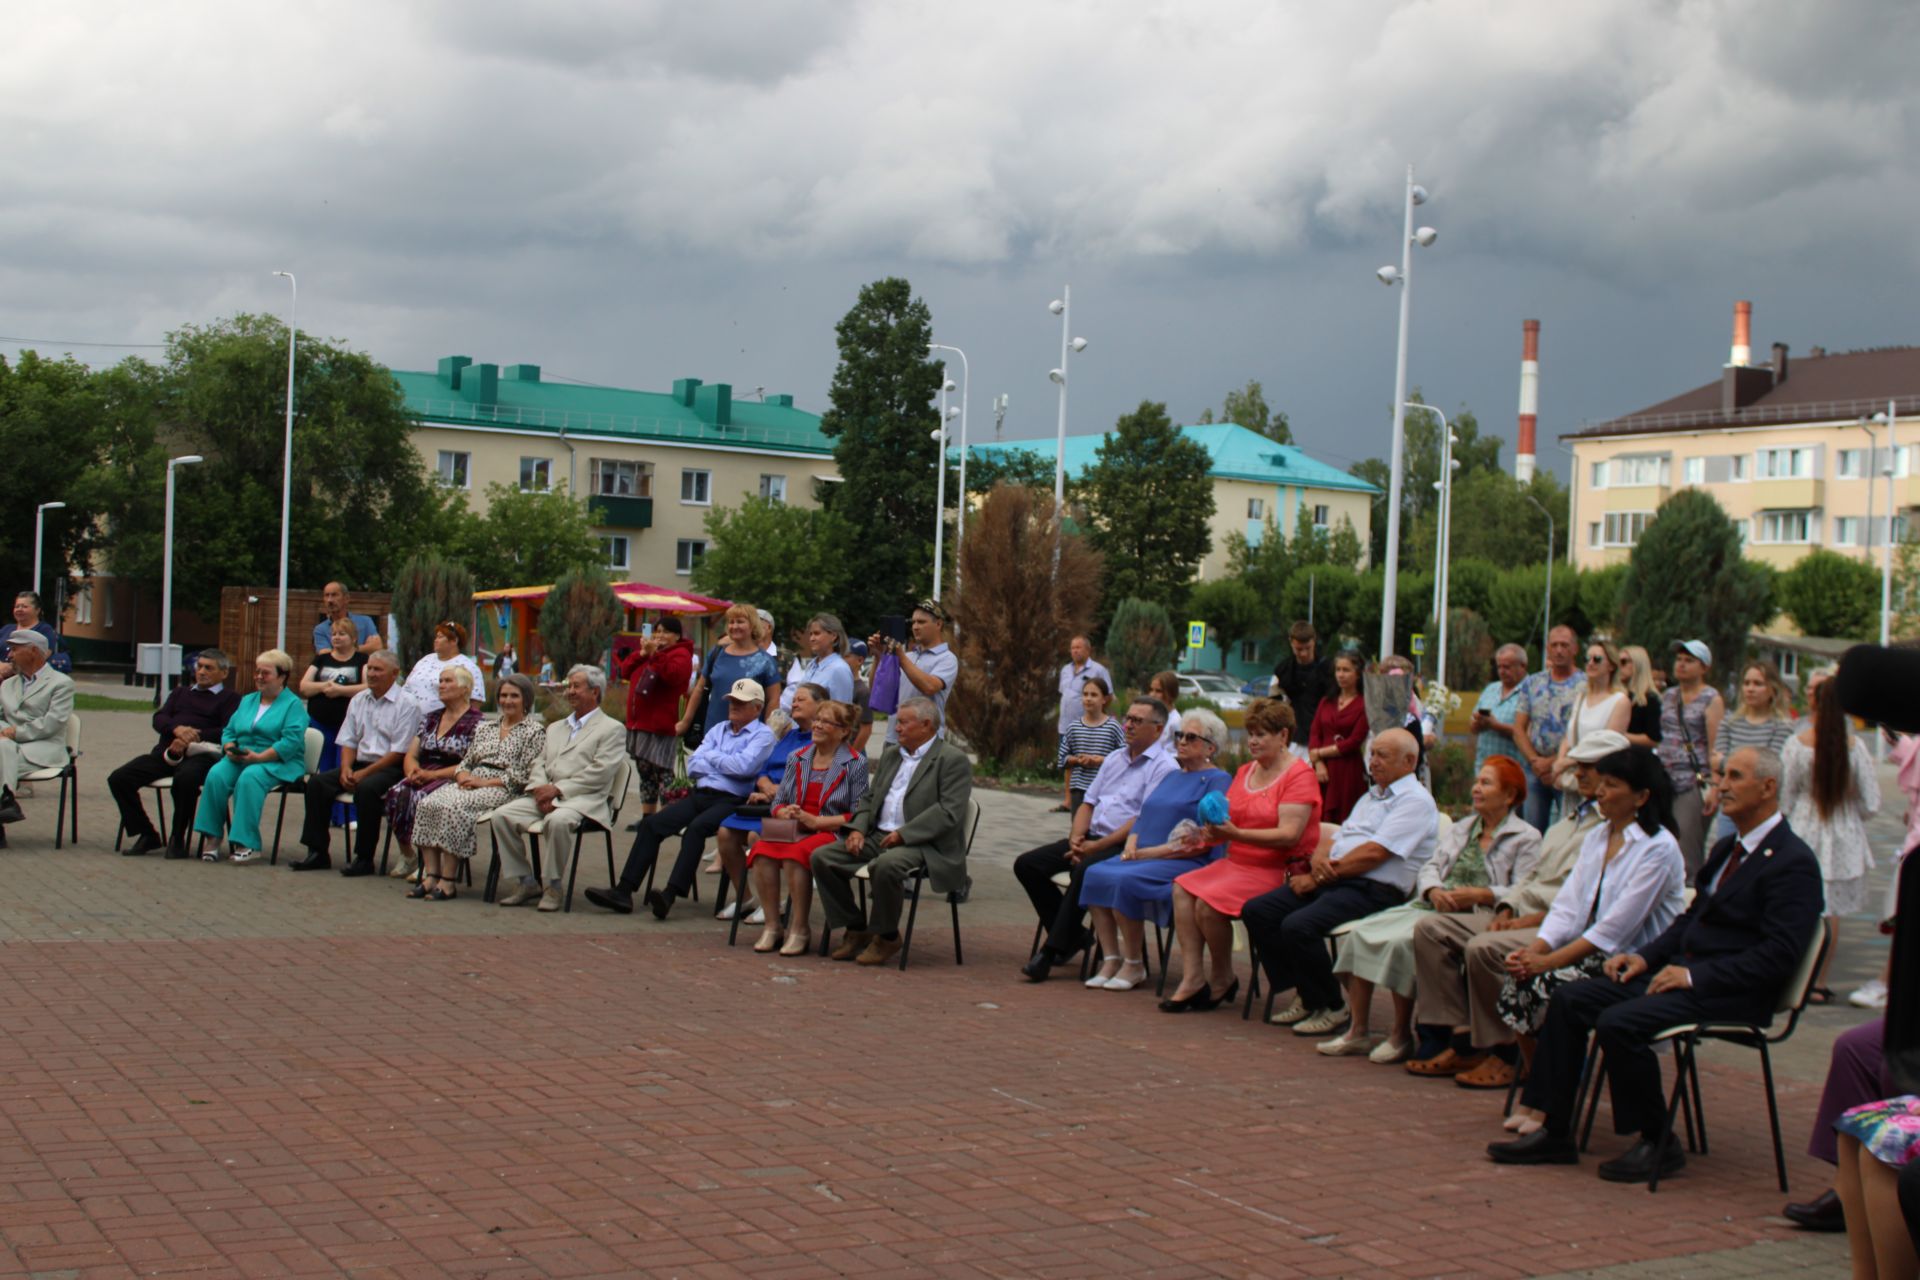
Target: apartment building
(1798,452)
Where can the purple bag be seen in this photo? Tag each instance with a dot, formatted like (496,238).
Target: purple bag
(885,699)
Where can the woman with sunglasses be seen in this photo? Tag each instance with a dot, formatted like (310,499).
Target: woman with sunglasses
(1603,705)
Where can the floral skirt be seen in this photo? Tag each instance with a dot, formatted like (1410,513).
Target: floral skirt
(1889,1129)
(1523,1005)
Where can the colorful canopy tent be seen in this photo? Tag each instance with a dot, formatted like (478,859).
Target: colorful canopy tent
(511,615)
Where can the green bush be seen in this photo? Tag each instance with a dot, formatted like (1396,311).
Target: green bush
(578,620)
(428,590)
(1140,642)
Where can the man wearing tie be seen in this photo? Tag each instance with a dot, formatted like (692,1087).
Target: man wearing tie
(1725,960)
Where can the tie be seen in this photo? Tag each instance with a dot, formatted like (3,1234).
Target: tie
(1733,865)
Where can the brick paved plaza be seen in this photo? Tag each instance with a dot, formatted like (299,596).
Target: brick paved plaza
(213,1070)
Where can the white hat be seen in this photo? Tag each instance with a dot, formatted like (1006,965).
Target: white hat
(747,691)
(1698,648)
(1597,746)
(28,638)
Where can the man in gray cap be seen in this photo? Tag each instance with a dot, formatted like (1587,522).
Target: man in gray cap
(35,704)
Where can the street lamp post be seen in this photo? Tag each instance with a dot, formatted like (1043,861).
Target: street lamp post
(940,489)
(1886,568)
(1062,306)
(1546,618)
(1401,275)
(39,538)
(169,668)
(1443,534)
(960,517)
(286,467)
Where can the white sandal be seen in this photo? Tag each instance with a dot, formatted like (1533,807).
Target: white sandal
(1121,981)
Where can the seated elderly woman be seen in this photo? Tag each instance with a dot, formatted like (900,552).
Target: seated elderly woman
(432,760)
(1627,887)
(263,745)
(1272,829)
(820,785)
(495,769)
(731,839)
(1126,891)
(1477,861)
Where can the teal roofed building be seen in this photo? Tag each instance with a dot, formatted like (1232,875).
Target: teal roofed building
(650,464)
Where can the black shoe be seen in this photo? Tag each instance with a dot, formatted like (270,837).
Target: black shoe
(1538,1147)
(176,850)
(614,899)
(358,867)
(314,861)
(1199,1001)
(1037,969)
(1226,997)
(1638,1163)
(659,902)
(10,810)
(1823,1213)
(143,846)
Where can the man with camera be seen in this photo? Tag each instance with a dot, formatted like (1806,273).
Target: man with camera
(928,664)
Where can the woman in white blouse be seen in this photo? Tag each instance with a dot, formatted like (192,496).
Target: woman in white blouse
(1628,885)
(423,682)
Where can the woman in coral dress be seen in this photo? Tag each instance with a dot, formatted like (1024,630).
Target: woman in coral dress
(1337,740)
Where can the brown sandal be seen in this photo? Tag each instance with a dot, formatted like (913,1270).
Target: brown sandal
(1444,1063)
(1489,1074)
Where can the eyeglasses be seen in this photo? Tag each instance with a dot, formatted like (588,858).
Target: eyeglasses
(1192,737)
(1136,720)
(1596,657)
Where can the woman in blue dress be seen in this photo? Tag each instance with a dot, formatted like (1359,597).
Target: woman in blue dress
(736,831)
(1124,892)
(739,658)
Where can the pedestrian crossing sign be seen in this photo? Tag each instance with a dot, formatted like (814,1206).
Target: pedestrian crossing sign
(1196,635)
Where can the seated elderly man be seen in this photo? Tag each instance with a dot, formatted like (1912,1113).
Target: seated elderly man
(913,816)
(723,771)
(1100,826)
(570,782)
(1726,959)
(1460,958)
(1372,865)
(373,740)
(189,725)
(35,704)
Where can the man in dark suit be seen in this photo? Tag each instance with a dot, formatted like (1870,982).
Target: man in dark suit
(189,725)
(1726,959)
(914,815)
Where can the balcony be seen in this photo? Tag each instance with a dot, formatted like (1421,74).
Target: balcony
(1801,494)
(620,513)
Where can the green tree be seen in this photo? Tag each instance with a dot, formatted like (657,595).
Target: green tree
(578,619)
(880,415)
(525,539)
(1413,609)
(1687,579)
(53,427)
(1232,611)
(1828,594)
(1248,408)
(1323,595)
(1149,499)
(1600,597)
(1470,583)
(1140,641)
(429,589)
(1264,565)
(790,561)
(1026,467)
(1420,468)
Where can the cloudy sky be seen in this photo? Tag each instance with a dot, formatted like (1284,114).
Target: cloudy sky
(629,191)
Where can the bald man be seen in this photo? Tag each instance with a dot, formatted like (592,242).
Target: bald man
(1371,866)
(333,597)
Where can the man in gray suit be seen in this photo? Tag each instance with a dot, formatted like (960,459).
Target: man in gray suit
(570,783)
(35,704)
(914,815)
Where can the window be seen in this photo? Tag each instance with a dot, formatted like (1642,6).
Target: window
(1851,464)
(82,603)
(1742,527)
(696,487)
(613,550)
(687,553)
(106,608)
(1593,533)
(1846,531)
(1877,534)
(536,475)
(1694,471)
(1786,526)
(773,488)
(1623,528)
(613,478)
(1249,651)
(1597,475)
(1740,461)
(453,468)
(1787,663)
(1320,515)
(1638,469)
(1256,508)
(1783,464)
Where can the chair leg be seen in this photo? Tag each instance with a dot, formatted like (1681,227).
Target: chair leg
(1161,948)
(1253,979)
(953,904)
(1699,1111)
(73,812)
(573,872)
(160,804)
(279,822)
(1033,948)
(493,868)
(60,814)
(1673,1106)
(906,939)
(386,848)
(1773,1115)
(1594,1075)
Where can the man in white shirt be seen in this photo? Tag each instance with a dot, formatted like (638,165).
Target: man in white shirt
(1074,674)
(1372,865)
(1100,827)
(381,723)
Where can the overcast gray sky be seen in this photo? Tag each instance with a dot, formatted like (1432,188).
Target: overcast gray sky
(629,191)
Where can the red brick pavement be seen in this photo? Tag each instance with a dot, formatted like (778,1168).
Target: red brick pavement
(645,1101)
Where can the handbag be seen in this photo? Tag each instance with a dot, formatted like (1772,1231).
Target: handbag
(649,682)
(780,830)
(885,698)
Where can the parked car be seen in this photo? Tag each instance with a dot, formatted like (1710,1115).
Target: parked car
(1258,687)
(1215,687)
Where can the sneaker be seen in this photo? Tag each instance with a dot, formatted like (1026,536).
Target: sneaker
(1289,1015)
(550,900)
(1320,1022)
(1871,995)
(521,895)
(1346,1046)
(243,855)
(1391,1050)
(404,869)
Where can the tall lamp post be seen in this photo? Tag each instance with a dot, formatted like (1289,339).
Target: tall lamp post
(40,538)
(1062,306)
(940,489)
(1546,619)
(960,518)
(169,666)
(1401,275)
(1443,533)
(286,467)
(1886,569)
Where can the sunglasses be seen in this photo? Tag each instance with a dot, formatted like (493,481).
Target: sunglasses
(1184,736)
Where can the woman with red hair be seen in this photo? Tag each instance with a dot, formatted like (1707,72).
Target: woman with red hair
(1478,859)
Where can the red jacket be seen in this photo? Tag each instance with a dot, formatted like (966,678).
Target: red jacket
(660,711)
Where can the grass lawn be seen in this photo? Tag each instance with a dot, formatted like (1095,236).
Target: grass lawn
(97,702)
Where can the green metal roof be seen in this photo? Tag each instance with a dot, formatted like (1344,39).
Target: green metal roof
(1238,453)
(462,393)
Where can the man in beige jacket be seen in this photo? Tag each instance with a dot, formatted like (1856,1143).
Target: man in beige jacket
(571,782)
(35,704)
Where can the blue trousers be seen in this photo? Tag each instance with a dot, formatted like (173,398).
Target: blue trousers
(248,786)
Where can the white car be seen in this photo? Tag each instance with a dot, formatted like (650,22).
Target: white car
(1222,691)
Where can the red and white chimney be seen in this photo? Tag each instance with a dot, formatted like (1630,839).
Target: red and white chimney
(1742,353)
(1523,459)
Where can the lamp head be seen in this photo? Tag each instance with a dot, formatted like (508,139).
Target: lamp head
(1056,306)
(49,506)
(1078,344)
(1419,194)
(1880,417)
(949,385)
(953,412)
(1056,375)
(185,461)
(1388,275)
(1425,236)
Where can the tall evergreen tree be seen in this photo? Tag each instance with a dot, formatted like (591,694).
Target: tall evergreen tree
(880,415)
(1688,581)
(1149,499)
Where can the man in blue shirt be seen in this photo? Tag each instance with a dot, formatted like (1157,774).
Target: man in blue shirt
(723,770)
(334,598)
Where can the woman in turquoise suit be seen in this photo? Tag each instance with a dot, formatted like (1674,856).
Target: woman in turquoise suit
(263,745)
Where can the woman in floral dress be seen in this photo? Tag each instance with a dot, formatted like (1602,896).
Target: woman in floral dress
(432,760)
(494,770)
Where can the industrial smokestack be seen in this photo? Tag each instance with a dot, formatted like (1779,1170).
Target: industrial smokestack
(1523,459)
(1742,354)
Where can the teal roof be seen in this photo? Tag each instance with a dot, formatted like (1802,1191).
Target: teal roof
(1238,453)
(462,393)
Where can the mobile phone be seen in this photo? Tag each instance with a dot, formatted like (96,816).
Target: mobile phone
(894,627)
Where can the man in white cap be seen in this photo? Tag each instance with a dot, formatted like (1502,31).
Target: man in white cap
(722,770)
(35,704)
